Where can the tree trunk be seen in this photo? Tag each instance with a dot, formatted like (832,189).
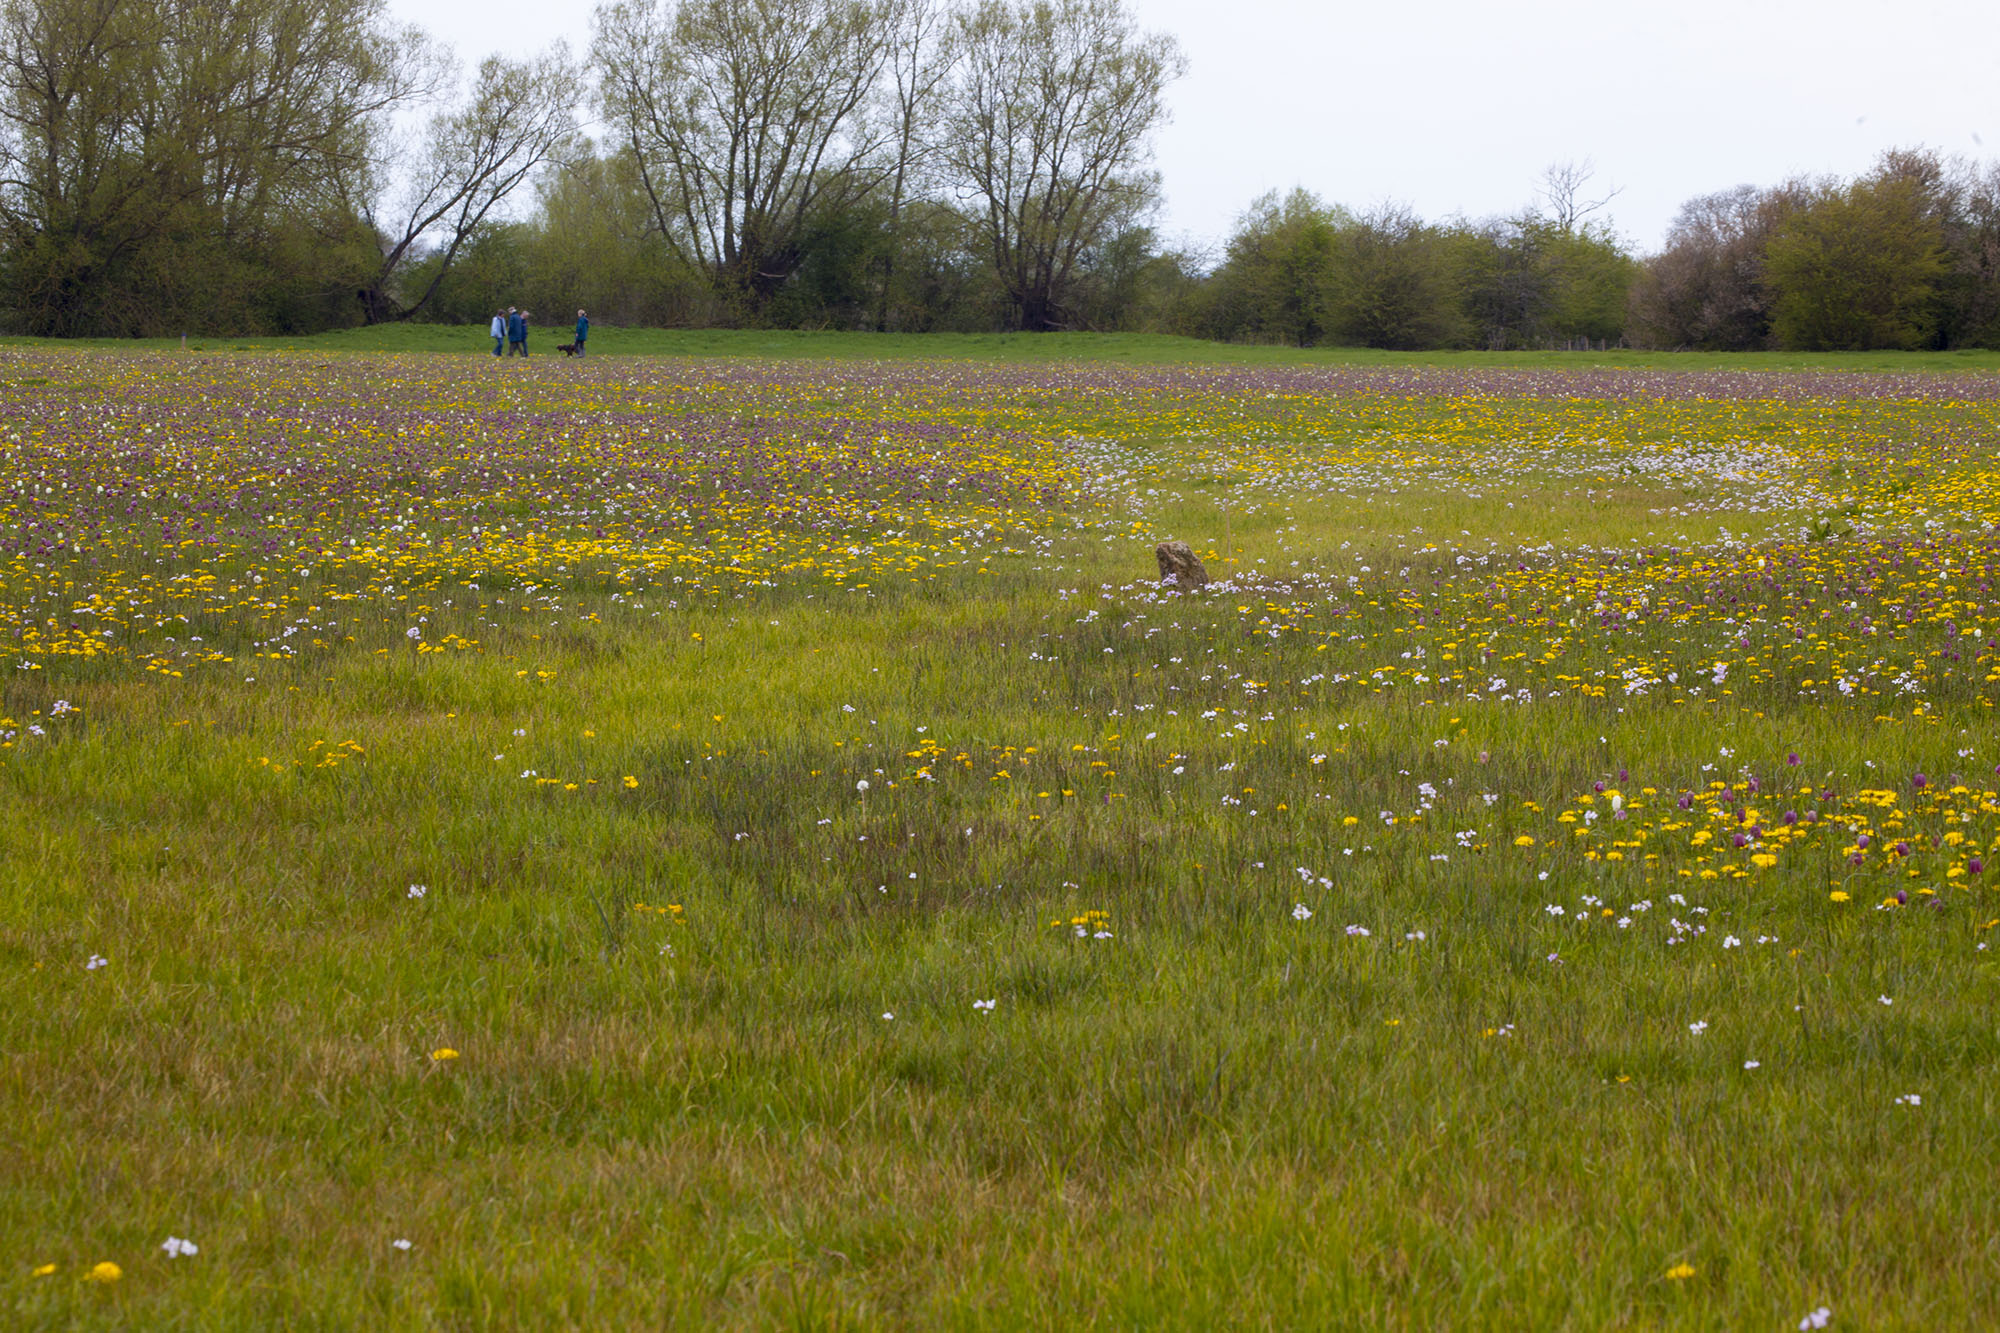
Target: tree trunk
(378,308)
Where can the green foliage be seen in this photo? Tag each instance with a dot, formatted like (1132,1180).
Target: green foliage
(1278,281)
(1706,290)
(1533,283)
(1047,133)
(837,283)
(493,270)
(1858,269)
(1907,256)
(1304,272)
(1057,349)
(1587,276)
(939,282)
(162,161)
(1397,285)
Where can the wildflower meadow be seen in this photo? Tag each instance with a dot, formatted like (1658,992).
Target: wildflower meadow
(666,842)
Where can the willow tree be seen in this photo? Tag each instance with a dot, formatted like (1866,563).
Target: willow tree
(746,119)
(469,157)
(919,63)
(135,134)
(1048,131)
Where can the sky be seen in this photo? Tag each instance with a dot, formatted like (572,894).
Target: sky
(1455,108)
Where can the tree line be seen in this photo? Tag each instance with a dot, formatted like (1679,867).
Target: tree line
(1905,256)
(290,165)
(172,166)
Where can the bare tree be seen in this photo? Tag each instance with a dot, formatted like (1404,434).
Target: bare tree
(745,118)
(1708,288)
(919,61)
(472,157)
(1564,186)
(1048,132)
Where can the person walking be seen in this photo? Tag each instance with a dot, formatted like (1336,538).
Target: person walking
(517,332)
(582,330)
(499,331)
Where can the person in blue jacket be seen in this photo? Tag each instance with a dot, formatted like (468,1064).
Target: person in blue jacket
(582,330)
(517,332)
(499,331)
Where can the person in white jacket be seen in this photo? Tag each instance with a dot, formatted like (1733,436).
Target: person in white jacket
(499,331)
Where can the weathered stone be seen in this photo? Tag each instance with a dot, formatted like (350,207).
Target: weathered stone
(1179,564)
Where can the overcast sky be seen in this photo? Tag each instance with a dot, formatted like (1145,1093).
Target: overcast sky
(1454,107)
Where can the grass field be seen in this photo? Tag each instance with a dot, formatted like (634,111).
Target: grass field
(748,840)
(1034,348)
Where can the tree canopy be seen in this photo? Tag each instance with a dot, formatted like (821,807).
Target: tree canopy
(169,166)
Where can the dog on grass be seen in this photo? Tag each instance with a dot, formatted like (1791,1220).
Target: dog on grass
(567,349)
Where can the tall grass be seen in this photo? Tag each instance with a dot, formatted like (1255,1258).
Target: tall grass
(800,711)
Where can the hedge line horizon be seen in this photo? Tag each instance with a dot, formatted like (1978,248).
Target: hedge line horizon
(904,166)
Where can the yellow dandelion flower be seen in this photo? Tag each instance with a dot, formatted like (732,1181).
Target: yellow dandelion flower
(106,1272)
(1680,1272)
(444,1053)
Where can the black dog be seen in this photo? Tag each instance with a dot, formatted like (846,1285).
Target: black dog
(567,349)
